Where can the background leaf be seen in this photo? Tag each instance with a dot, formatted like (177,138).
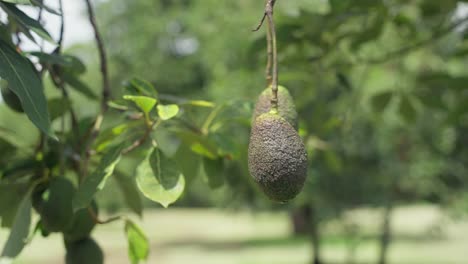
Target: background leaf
(96,181)
(138,245)
(19,232)
(130,192)
(214,171)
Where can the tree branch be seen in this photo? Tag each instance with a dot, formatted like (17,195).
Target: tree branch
(409,48)
(62,25)
(106,93)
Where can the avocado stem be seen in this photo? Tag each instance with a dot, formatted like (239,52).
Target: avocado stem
(274,57)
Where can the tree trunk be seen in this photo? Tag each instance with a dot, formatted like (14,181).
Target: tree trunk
(305,223)
(314,235)
(385,238)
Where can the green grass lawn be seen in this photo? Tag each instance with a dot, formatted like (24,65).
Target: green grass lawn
(180,236)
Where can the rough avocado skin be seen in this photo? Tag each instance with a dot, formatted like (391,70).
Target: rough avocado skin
(54,204)
(286,107)
(82,225)
(85,251)
(10,98)
(277,157)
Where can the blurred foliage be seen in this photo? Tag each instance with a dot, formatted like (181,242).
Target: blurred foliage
(380,88)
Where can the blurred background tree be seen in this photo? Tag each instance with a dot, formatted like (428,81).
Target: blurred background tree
(380,87)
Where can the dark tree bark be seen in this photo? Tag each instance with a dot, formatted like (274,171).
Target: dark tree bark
(305,223)
(315,237)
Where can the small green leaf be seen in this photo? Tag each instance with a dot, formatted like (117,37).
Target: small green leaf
(214,171)
(381,101)
(138,244)
(130,192)
(26,21)
(96,181)
(159,179)
(143,87)
(201,103)
(167,112)
(146,104)
(199,144)
(118,104)
(19,232)
(25,83)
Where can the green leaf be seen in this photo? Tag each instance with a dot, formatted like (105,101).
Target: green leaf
(79,86)
(25,83)
(159,179)
(442,80)
(188,162)
(214,171)
(138,244)
(58,107)
(407,109)
(130,192)
(167,142)
(201,103)
(51,58)
(381,101)
(146,104)
(167,112)
(19,232)
(19,2)
(143,87)
(96,181)
(11,196)
(199,144)
(41,4)
(27,22)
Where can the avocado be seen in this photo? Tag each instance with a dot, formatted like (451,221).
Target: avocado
(277,157)
(286,107)
(82,224)
(85,251)
(54,204)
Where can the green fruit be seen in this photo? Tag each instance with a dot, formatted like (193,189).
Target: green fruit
(286,107)
(277,157)
(85,251)
(54,204)
(10,98)
(82,224)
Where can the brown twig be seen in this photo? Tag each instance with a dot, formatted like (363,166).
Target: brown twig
(268,69)
(96,219)
(401,52)
(62,25)
(140,141)
(272,61)
(274,84)
(106,93)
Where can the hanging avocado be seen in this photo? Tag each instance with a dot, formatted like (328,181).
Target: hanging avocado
(277,157)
